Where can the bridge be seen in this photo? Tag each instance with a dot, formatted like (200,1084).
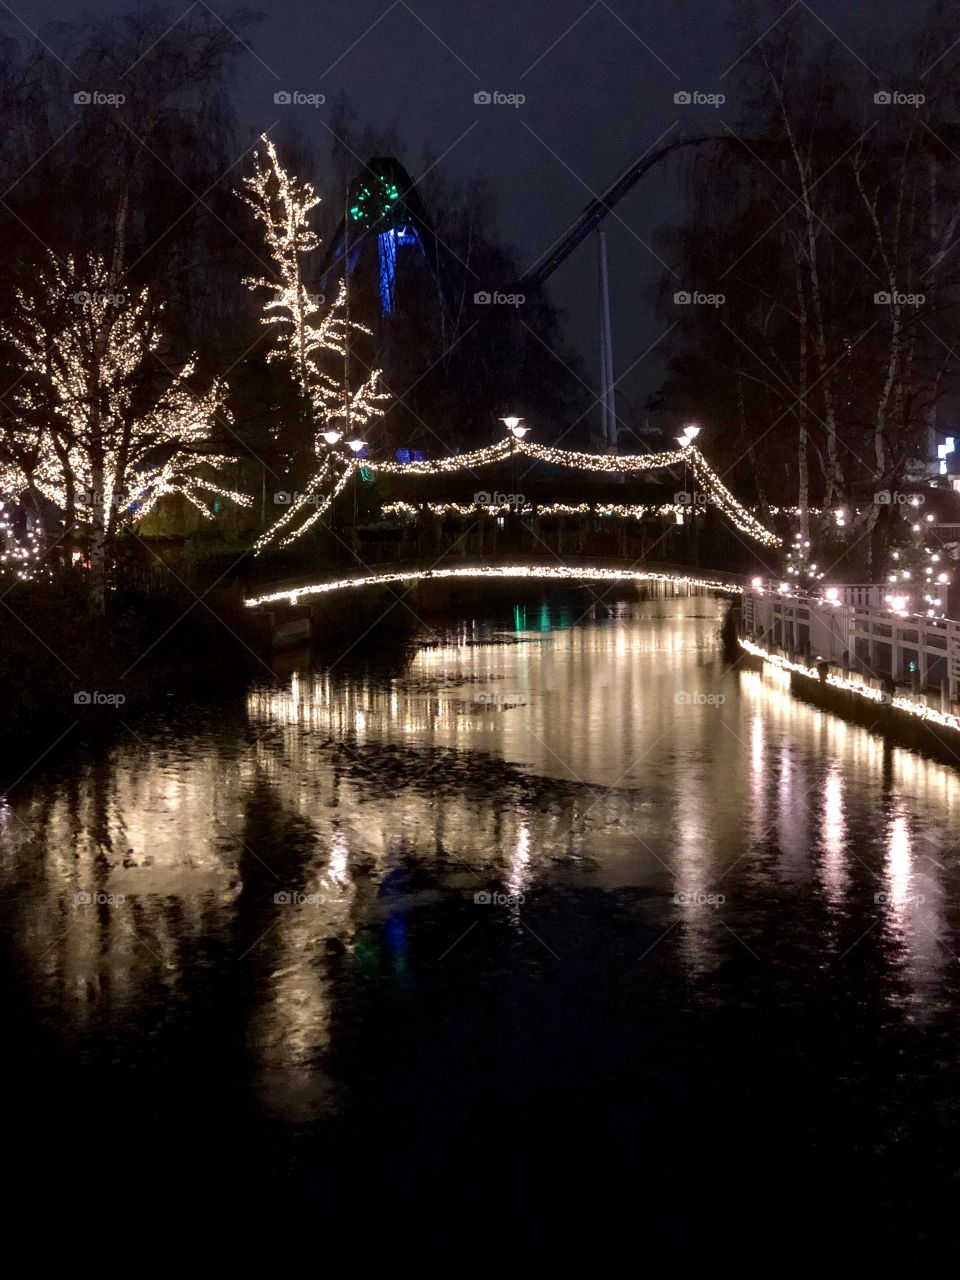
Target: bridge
(513,540)
(584,570)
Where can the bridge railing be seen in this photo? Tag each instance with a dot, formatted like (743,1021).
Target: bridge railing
(870,641)
(537,539)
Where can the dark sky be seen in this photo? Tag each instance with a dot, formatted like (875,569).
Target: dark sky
(599,80)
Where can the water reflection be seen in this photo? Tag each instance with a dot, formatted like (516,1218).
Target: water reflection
(286,852)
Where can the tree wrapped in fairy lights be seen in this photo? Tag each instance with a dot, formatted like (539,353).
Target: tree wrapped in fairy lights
(314,342)
(102,428)
(917,577)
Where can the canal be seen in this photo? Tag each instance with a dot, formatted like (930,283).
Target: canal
(551,939)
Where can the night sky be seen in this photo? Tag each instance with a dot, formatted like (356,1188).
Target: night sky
(599,81)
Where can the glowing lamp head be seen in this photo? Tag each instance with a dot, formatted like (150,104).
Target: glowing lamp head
(756,582)
(515,427)
(683,441)
(691,430)
(355,445)
(332,436)
(832,593)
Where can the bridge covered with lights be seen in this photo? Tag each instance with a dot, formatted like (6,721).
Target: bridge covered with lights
(501,537)
(585,570)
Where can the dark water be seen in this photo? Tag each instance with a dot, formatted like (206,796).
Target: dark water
(709,1016)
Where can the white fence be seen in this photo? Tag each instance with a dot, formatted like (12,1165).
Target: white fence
(858,635)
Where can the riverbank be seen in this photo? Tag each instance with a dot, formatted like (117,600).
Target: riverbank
(898,718)
(64,664)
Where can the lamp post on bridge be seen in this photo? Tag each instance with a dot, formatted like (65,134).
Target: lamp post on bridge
(332,438)
(517,430)
(690,433)
(355,444)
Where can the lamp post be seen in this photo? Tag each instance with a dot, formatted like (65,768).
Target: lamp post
(355,445)
(330,437)
(691,430)
(517,430)
(690,433)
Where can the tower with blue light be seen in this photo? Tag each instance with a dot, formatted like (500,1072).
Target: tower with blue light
(384,211)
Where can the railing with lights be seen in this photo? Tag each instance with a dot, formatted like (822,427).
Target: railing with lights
(544,572)
(870,693)
(714,490)
(860,626)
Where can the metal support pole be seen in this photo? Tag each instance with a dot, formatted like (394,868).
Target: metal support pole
(609,412)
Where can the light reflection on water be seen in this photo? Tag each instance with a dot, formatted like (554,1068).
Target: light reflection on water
(615,754)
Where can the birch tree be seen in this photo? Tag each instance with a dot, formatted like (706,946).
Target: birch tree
(311,337)
(101,427)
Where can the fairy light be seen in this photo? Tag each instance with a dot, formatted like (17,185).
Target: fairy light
(623,511)
(103,468)
(581,573)
(919,709)
(716,492)
(283,204)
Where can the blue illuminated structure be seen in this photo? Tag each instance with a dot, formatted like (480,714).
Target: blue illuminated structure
(387,250)
(387,244)
(385,210)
